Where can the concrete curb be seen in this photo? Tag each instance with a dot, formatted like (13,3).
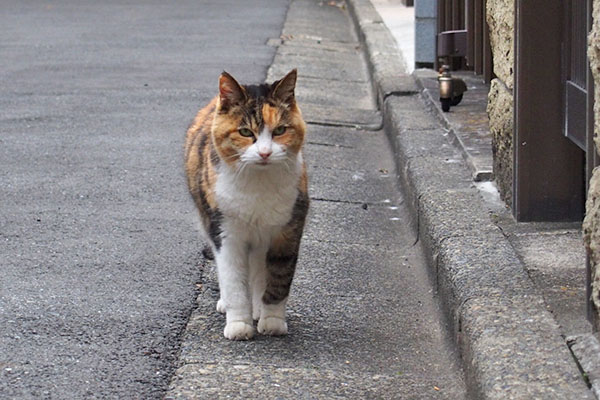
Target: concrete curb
(510,344)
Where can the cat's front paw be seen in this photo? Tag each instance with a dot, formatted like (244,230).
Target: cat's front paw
(274,326)
(221,306)
(238,330)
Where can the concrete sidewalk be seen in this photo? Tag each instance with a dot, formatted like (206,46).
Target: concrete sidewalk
(513,293)
(364,321)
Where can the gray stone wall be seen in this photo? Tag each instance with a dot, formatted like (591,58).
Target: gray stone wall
(591,223)
(500,19)
(500,111)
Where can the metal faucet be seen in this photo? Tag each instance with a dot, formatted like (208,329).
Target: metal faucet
(451,89)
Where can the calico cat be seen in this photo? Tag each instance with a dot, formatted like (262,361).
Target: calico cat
(246,174)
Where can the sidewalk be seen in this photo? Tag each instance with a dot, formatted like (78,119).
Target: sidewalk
(364,322)
(514,293)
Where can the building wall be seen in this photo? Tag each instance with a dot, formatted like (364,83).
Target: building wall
(591,223)
(500,19)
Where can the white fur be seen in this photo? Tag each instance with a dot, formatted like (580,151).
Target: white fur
(258,278)
(256,201)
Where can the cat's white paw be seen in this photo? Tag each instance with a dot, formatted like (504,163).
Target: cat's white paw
(274,326)
(238,330)
(221,306)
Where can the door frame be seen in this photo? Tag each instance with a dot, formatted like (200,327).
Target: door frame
(549,169)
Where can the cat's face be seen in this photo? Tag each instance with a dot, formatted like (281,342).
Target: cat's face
(259,126)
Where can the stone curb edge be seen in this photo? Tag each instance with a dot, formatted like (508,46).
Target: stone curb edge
(509,342)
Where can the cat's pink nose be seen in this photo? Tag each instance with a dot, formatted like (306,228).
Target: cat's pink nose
(265,154)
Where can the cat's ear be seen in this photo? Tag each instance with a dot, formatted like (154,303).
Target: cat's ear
(284,89)
(230,92)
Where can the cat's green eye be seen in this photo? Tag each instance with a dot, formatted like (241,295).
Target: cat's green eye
(246,132)
(279,130)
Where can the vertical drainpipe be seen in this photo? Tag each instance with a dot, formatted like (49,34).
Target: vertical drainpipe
(425,33)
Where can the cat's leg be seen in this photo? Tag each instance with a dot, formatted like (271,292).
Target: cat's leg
(221,306)
(281,264)
(220,303)
(232,270)
(272,320)
(258,278)
(208,251)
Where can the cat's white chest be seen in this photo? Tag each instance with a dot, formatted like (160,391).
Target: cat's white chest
(257,198)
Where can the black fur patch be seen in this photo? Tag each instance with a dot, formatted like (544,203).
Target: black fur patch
(258,91)
(214,228)
(207,253)
(212,218)
(280,259)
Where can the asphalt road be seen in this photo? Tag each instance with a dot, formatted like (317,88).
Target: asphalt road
(98,252)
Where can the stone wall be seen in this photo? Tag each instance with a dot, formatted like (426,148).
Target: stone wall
(500,19)
(591,223)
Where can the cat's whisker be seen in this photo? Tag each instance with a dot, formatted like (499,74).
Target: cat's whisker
(231,157)
(240,170)
(287,162)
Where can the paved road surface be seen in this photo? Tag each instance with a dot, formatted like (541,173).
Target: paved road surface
(98,255)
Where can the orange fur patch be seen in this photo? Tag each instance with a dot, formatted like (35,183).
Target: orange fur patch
(197,156)
(271,116)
